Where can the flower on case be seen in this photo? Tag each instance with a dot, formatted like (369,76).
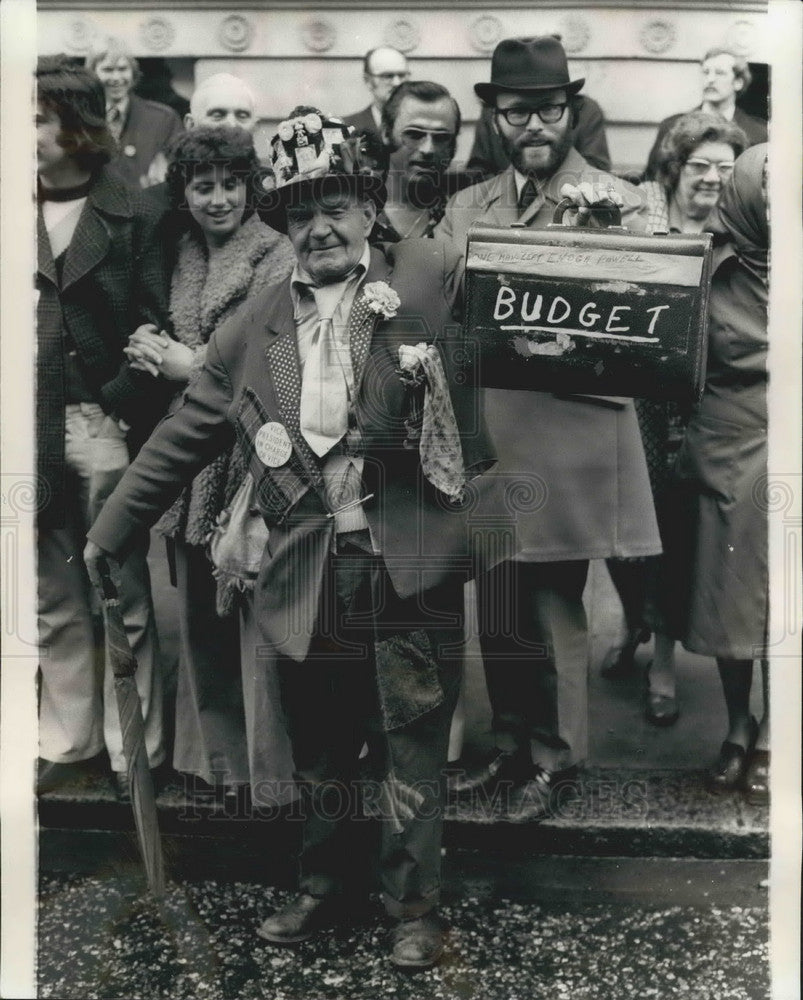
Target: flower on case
(382,299)
(312,123)
(285,131)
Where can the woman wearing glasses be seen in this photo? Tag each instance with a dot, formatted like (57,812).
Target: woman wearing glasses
(695,160)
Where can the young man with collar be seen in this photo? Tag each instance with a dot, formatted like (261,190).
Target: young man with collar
(420,121)
(360,473)
(99,274)
(582,457)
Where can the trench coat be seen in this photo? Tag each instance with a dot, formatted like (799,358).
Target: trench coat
(571,480)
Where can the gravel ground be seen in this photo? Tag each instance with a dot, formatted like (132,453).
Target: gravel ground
(98,938)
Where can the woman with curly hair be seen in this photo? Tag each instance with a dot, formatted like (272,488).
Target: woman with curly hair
(225,255)
(694,161)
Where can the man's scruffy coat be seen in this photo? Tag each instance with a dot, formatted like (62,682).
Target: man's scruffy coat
(252,377)
(112,281)
(579,464)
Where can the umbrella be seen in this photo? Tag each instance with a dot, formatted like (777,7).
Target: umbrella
(124,665)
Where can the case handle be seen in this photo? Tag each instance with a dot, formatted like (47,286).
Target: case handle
(610,211)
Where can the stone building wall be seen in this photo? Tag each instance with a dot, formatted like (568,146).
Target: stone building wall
(640,60)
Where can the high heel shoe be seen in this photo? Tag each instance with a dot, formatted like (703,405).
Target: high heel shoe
(729,769)
(756,781)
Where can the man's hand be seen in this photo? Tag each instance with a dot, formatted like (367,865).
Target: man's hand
(152,351)
(597,205)
(92,553)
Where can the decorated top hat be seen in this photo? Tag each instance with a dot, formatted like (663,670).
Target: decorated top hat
(528,64)
(312,155)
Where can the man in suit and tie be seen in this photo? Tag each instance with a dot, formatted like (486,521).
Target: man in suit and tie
(337,384)
(99,275)
(383,69)
(581,459)
(726,77)
(143,129)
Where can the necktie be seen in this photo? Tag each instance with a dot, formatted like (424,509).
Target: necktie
(528,195)
(114,117)
(324,392)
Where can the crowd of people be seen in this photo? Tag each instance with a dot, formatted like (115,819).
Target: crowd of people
(258,358)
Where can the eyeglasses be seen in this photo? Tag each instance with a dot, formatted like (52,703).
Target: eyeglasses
(700,167)
(388,77)
(548,113)
(413,136)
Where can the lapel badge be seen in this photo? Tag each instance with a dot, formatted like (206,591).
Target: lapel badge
(272,444)
(129,150)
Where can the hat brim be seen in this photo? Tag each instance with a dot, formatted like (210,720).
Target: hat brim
(487,91)
(273,205)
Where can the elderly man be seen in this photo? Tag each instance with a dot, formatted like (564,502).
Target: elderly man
(725,75)
(382,69)
(420,123)
(143,129)
(581,458)
(336,383)
(221,99)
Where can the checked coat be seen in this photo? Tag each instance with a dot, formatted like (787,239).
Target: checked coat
(112,281)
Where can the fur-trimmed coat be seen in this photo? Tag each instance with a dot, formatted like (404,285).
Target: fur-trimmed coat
(203,294)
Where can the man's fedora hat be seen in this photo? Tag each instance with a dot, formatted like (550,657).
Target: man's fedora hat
(523,64)
(312,155)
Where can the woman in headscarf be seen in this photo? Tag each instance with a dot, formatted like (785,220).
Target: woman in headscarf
(722,469)
(694,162)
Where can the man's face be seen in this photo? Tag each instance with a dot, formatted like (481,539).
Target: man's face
(424,137)
(224,103)
(535,149)
(719,80)
(328,234)
(49,154)
(387,69)
(117,76)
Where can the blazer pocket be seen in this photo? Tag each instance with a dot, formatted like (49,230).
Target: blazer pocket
(709,455)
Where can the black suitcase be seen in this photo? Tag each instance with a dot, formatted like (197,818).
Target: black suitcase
(574,310)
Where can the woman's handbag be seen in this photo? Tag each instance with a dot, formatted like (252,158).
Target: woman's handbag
(238,540)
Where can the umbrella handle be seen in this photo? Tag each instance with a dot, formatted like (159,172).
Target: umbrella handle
(107,588)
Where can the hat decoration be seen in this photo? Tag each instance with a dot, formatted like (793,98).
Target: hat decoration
(311,149)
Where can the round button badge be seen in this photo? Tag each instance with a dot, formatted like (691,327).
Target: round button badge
(272,444)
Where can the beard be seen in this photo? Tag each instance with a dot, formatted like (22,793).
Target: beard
(537,159)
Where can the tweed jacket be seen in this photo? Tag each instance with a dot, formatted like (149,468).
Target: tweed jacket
(203,296)
(113,280)
(571,479)
(252,377)
(149,129)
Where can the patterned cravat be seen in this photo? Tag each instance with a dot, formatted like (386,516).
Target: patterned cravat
(324,392)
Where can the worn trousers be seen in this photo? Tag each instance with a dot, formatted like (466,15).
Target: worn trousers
(77,706)
(534,640)
(333,706)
